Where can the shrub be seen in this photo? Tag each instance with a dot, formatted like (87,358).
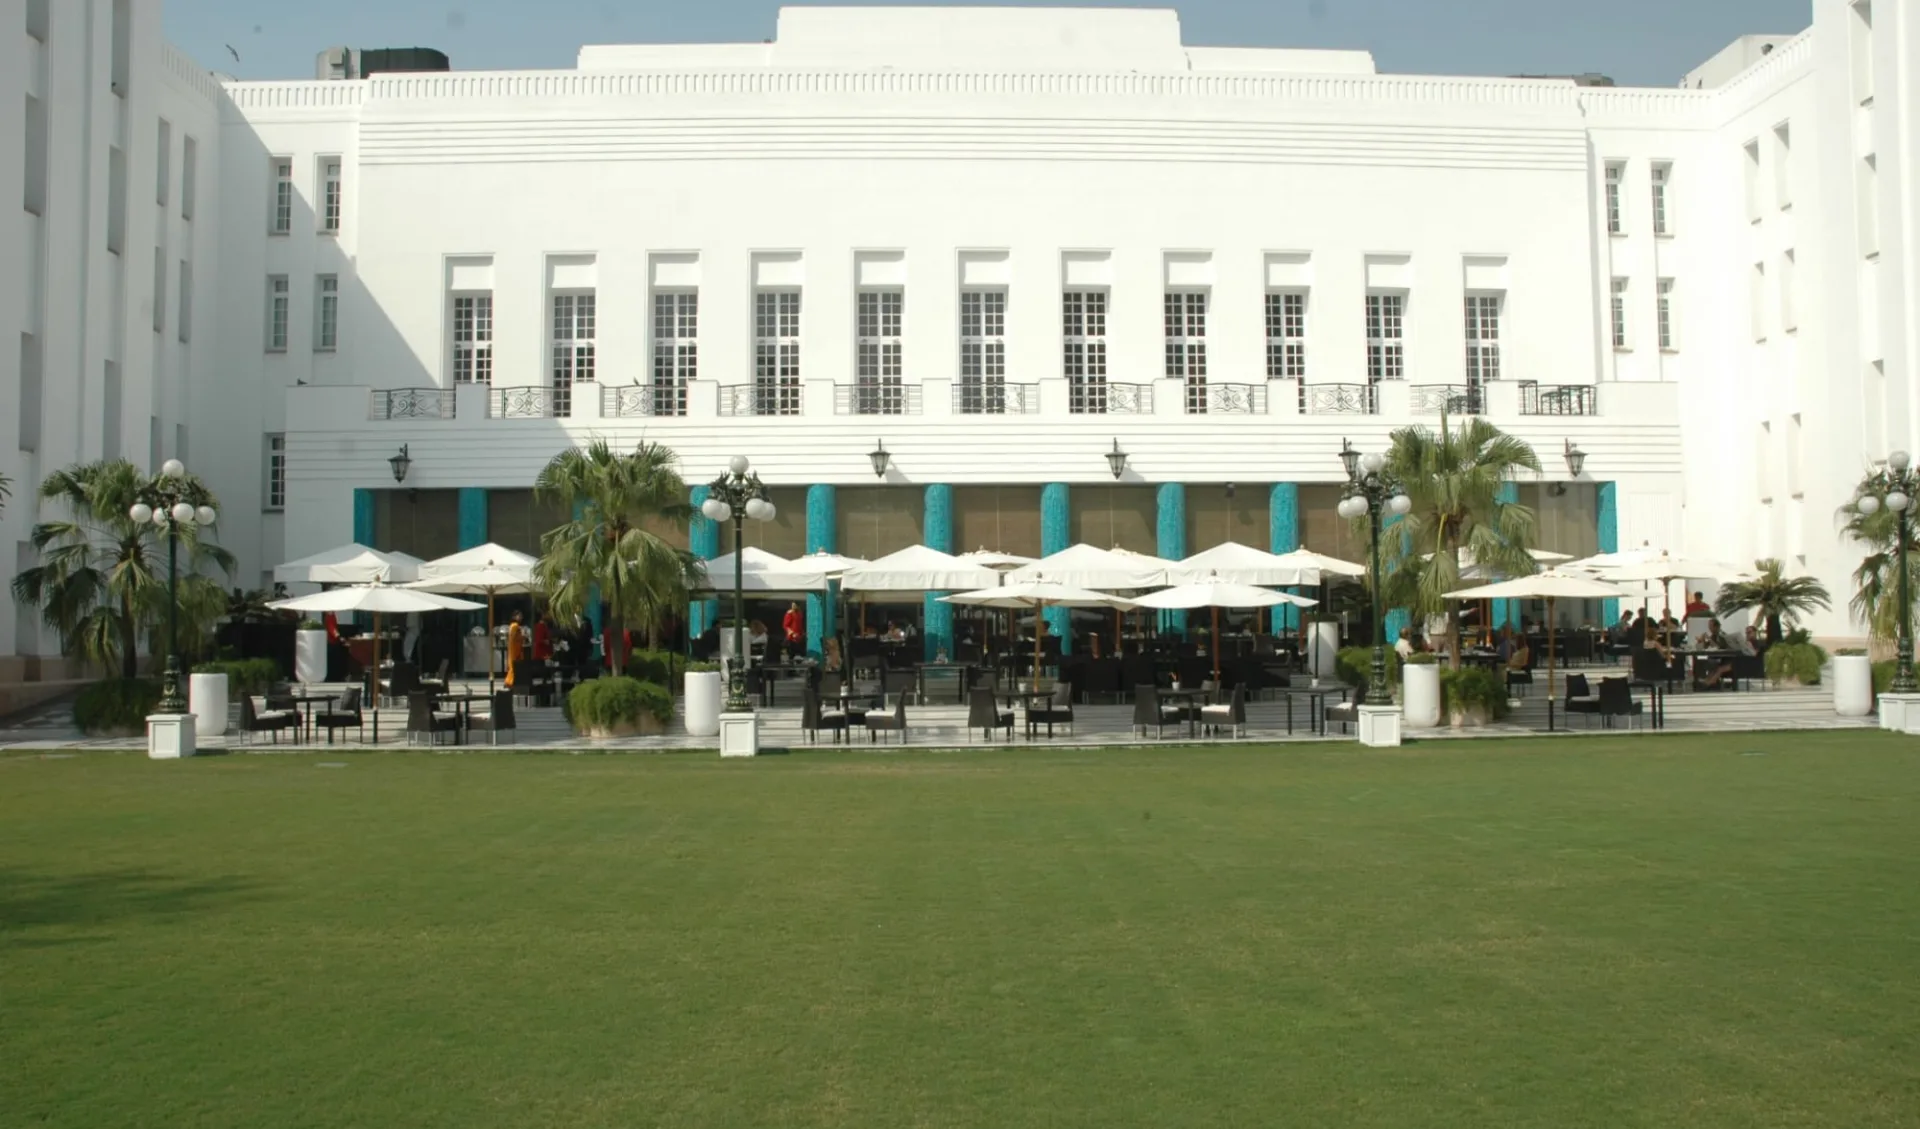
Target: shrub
(701,667)
(1883,676)
(1474,687)
(1354,666)
(1800,661)
(657,667)
(116,705)
(1423,658)
(312,625)
(612,703)
(1852,652)
(244,676)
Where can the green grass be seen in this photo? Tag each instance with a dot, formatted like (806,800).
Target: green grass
(1689,931)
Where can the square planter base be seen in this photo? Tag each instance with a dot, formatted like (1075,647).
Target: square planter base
(1380,726)
(739,734)
(1900,713)
(170,736)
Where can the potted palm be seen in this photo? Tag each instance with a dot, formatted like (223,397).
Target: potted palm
(1778,602)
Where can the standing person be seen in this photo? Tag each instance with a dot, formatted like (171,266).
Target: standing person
(793,625)
(542,639)
(516,644)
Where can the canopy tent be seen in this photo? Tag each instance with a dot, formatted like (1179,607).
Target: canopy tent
(1238,564)
(1216,593)
(1085,566)
(918,568)
(1038,594)
(352,563)
(1550,586)
(760,572)
(488,570)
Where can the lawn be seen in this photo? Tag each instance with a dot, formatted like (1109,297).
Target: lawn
(1683,931)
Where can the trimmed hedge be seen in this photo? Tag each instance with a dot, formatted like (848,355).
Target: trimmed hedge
(603,703)
(1354,666)
(1474,686)
(244,676)
(116,706)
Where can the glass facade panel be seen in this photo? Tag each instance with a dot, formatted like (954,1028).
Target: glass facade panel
(1005,519)
(1117,517)
(1214,519)
(877,520)
(425,523)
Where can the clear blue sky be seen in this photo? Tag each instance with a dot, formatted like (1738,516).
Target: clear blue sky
(1639,42)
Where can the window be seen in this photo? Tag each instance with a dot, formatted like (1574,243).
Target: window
(277,297)
(572,347)
(1664,315)
(116,199)
(30,362)
(1757,301)
(34,178)
(122,43)
(326,313)
(37,20)
(110,399)
(159,289)
(1386,337)
(276,472)
(1616,175)
(983,351)
(776,352)
(330,195)
(1752,168)
(189,159)
(1186,330)
(1860,47)
(1783,166)
(1085,317)
(1789,318)
(676,349)
(1662,176)
(473,338)
(1287,334)
(163,164)
(877,352)
(1483,339)
(1619,314)
(183,306)
(280,215)
(1867,192)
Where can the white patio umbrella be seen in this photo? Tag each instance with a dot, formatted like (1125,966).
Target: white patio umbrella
(380,599)
(1316,568)
(511,575)
(831,565)
(1036,594)
(1087,566)
(989,558)
(760,571)
(918,568)
(1550,586)
(1216,593)
(1663,568)
(1237,564)
(489,555)
(352,563)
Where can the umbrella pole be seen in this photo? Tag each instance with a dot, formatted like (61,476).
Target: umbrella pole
(1039,621)
(1549,664)
(489,643)
(376,678)
(1216,647)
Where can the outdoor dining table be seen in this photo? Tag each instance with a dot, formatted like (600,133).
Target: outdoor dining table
(1697,658)
(1657,700)
(963,673)
(1316,697)
(1024,699)
(855,705)
(464,701)
(1190,700)
(769,670)
(308,699)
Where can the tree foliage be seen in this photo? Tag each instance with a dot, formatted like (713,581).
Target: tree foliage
(1876,582)
(1778,600)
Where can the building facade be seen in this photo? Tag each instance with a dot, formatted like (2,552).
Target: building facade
(999,243)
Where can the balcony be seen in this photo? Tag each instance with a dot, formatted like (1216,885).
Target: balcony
(529,402)
(1103,398)
(1227,399)
(1339,399)
(877,398)
(1453,399)
(411,403)
(1538,399)
(993,397)
(780,397)
(630,400)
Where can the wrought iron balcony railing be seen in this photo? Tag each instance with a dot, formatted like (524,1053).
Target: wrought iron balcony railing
(529,402)
(1105,398)
(411,403)
(1453,399)
(1227,399)
(1538,399)
(994,397)
(761,398)
(1339,399)
(882,398)
(619,401)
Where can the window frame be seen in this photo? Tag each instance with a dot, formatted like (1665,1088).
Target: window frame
(163,164)
(1484,312)
(1660,179)
(571,357)
(1184,327)
(1617,297)
(983,349)
(1386,351)
(477,345)
(1084,353)
(1665,330)
(1285,312)
(778,350)
(674,359)
(276,474)
(279,311)
(332,195)
(326,313)
(280,196)
(1613,202)
(878,356)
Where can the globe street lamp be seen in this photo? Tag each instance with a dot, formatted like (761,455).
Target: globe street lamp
(738,495)
(168,502)
(1897,487)
(1371,492)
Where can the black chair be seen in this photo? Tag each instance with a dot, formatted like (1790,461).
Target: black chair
(347,714)
(438,683)
(279,697)
(1749,671)
(1519,678)
(423,719)
(404,681)
(1136,669)
(1147,710)
(813,719)
(1056,710)
(1102,679)
(533,682)
(1616,700)
(1344,714)
(498,719)
(899,680)
(1580,697)
(270,721)
(1231,714)
(984,715)
(895,722)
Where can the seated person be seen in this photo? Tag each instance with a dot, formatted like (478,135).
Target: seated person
(1751,643)
(1698,606)
(1404,648)
(756,634)
(1519,656)
(1505,644)
(1713,639)
(1619,633)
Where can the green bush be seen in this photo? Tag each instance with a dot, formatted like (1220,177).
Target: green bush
(701,667)
(1354,666)
(244,676)
(1796,660)
(1851,651)
(1474,686)
(658,667)
(1422,658)
(312,625)
(604,703)
(1883,676)
(116,705)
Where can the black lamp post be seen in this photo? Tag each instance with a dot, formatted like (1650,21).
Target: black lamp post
(1371,492)
(1896,487)
(168,502)
(737,496)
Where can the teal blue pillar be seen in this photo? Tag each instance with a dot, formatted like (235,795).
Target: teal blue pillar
(473,517)
(703,539)
(1397,618)
(1170,540)
(1505,611)
(363,517)
(1056,525)
(1608,520)
(823,525)
(937,533)
(1283,536)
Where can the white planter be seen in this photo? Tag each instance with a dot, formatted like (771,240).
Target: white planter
(1852,685)
(1420,694)
(310,656)
(1323,648)
(703,703)
(207,698)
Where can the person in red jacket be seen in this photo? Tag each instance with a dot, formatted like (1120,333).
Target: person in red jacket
(794,625)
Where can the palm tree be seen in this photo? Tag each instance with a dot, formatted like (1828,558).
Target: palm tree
(1876,582)
(6,491)
(1776,598)
(617,502)
(102,578)
(1454,478)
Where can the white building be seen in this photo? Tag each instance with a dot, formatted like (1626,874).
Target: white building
(1001,242)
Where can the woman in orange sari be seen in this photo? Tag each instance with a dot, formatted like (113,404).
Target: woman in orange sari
(516,645)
